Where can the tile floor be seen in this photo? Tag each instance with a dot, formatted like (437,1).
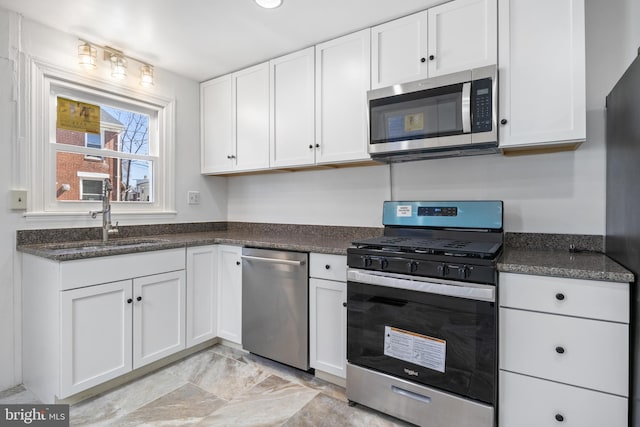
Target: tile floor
(220,386)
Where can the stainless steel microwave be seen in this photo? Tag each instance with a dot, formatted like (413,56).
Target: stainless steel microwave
(444,116)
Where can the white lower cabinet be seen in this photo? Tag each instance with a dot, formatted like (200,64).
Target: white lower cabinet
(532,402)
(86,321)
(327,314)
(96,335)
(158,317)
(103,338)
(230,293)
(202,294)
(564,352)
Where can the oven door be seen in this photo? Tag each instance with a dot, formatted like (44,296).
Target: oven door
(434,332)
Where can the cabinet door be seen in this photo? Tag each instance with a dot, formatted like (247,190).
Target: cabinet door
(342,81)
(531,402)
(542,72)
(463,34)
(230,293)
(216,125)
(328,326)
(399,51)
(158,316)
(202,294)
(293,116)
(95,335)
(252,117)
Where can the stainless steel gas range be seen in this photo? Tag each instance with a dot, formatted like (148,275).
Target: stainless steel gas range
(422,313)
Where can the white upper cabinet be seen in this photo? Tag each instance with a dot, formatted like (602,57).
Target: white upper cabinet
(217,131)
(454,36)
(252,117)
(342,81)
(542,73)
(293,109)
(463,34)
(399,51)
(235,121)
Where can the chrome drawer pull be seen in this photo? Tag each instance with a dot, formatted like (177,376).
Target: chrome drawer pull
(410,394)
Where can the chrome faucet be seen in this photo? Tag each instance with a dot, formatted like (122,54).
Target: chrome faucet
(107,227)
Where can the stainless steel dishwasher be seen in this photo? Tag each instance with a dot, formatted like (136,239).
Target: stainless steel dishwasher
(275,305)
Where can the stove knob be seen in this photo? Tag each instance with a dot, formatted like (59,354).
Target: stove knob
(463,272)
(412,266)
(366,261)
(384,263)
(442,269)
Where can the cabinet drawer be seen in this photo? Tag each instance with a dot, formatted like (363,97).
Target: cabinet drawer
(330,267)
(531,402)
(573,297)
(583,352)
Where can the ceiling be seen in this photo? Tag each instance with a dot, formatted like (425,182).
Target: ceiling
(201,39)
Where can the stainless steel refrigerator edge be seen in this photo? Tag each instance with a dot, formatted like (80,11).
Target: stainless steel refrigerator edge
(622,242)
(275,305)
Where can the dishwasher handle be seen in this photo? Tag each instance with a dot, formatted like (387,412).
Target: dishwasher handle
(272,260)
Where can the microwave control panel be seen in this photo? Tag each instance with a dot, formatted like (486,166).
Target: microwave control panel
(481,106)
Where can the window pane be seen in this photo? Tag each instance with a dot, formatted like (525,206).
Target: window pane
(124,130)
(134,137)
(131,178)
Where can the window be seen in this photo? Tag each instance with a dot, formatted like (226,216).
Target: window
(93,140)
(120,134)
(91,189)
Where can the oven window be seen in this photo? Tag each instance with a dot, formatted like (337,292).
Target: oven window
(417,115)
(454,339)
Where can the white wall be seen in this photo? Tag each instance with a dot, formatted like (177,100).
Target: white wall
(56,48)
(554,193)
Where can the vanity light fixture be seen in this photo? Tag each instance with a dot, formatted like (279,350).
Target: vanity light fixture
(87,58)
(87,55)
(269,4)
(146,75)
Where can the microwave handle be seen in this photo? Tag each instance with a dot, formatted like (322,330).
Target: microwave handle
(466,107)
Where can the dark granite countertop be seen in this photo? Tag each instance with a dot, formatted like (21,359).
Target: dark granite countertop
(318,239)
(535,253)
(559,263)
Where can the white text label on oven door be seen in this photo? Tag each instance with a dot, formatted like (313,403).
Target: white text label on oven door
(403,210)
(415,348)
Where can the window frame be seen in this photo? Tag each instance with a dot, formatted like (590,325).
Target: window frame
(48,82)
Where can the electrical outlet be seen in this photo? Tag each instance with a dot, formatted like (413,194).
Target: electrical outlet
(193,197)
(19,199)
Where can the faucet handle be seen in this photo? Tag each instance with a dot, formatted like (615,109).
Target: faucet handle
(113,229)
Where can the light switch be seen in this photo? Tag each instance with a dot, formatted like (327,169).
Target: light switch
(18,199)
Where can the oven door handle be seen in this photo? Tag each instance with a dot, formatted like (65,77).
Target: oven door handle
(472,291)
